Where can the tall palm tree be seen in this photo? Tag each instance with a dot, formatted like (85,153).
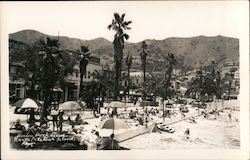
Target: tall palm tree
(129,60)
(218,83)
(171,61)
(83,65)
(50,70)
(118,24)
(143,53)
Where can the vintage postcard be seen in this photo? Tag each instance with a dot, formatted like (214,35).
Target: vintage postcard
(141,79)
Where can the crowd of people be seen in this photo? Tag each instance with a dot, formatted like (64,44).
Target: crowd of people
(142,116)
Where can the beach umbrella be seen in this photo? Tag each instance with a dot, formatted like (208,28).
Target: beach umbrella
(28,103)
(116,104)
(114,124)
(70,106)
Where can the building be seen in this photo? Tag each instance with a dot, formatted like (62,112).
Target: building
(16,85)
(73,81)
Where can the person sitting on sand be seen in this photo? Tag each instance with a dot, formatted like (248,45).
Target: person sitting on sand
(109,144)
(73,129)
(136,112)
(156,110)
(44,128)
(192,119)
(140,120)
(187,133)
(18,126)
(236,119)
(33,128)
(78,120)
(98,139)
(131,114)
(153,112)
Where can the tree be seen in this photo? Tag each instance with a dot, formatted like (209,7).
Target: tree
(50,70)
(83,66)
(230,80)
(143,53)
(98,88)
(171,61)
(204,84)
(129,60)
(119,25)
(44,67)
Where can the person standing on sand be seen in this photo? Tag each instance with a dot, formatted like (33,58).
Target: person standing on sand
(54,114)
(230,116)
(60,115)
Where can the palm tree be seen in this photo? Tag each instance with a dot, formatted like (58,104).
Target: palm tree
(218,83)
(171,61)
(83,66)
(129,60)
(204,84)
(101,85)
(230,80)
(143,53)
(44,66)
(50,71)
(119,25)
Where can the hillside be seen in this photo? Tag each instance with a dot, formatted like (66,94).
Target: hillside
(189,51)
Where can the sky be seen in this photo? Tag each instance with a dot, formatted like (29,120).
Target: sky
(151,20)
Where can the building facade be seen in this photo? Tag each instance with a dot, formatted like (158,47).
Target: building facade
(16,85)
(73,81)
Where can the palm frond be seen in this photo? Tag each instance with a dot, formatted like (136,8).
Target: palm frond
(126,23)
(126,36)
(122,17)
(109,26)
(128,28)
(117,17)
(84,49)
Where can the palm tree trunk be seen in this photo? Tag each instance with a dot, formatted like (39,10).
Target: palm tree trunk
(117,77)
(128,81)
(144,73)
(81,89)
(46,103)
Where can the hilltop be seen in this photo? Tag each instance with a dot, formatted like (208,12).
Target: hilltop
(189,52)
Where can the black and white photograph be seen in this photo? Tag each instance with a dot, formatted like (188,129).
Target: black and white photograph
(128,76)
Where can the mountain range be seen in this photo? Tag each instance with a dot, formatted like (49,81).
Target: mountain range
(189,52)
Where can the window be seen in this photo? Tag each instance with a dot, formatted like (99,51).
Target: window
(77,73)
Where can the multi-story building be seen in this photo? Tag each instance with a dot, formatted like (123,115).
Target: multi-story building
(16,85)
(73,80)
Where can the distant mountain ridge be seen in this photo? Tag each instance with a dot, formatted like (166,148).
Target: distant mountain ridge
(189,51)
